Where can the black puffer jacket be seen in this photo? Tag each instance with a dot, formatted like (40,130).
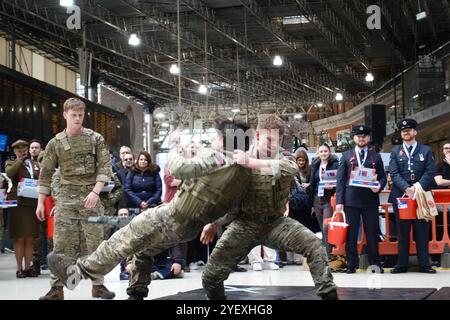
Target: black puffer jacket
(333,164)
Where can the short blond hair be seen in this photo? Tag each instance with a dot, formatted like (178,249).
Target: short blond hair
(270,122)
(74,104)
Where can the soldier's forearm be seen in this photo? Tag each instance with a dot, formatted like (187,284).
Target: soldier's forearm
(258,164)
(41,198)
(98,187)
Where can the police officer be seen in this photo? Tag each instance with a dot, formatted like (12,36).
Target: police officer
(360,201)
(410,163)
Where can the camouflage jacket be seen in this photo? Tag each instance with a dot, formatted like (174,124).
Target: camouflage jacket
(83,160)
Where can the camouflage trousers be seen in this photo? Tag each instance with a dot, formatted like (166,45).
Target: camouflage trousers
(284,233)
(149,233)
(75,238)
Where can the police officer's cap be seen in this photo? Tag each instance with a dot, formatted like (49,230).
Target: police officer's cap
(361,129)
(406,124)
(19,144)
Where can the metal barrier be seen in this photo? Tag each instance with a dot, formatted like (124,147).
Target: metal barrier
(388,247)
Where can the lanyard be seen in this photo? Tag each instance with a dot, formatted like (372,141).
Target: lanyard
(29,167)
(409,155)
(322,170)
(358,158)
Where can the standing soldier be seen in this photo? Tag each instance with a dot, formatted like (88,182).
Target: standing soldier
(84,162)
(360,201)
(410,163)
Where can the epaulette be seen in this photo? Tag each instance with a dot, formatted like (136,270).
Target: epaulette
(63,138)
(60,135)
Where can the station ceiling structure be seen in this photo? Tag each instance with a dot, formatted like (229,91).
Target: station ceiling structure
(229,46)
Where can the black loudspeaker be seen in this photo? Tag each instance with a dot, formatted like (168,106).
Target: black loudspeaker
(375,117)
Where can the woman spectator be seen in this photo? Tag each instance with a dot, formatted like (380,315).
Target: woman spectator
(300,201)
(322,198)
(442,177)
(143,185)
(23,223)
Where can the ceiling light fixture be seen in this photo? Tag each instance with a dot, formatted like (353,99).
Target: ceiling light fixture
(66,3)
(298,116)
(202,89)
(174,69)
(134,40)
(339,96)
(277,61)
(369,77)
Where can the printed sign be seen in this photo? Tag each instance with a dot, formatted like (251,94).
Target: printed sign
(364,178)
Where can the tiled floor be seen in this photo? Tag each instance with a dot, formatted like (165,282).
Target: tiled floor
(12,288)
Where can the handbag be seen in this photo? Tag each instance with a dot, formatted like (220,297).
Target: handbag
(299,199)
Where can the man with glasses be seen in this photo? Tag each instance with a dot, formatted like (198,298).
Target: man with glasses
(360,201)
(121,168)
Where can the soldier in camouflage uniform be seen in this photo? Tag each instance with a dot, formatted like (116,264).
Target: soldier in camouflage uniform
(84,163)
(211,186)
(263,217)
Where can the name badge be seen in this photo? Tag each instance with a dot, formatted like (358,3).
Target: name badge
(421,157)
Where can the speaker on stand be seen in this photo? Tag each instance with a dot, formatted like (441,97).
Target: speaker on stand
(375,117)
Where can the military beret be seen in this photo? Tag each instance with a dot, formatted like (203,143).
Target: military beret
(19,144)
(406,124)
(361,129)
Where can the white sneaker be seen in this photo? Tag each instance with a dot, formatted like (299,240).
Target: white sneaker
(193,266)
(257,266)
(270,266)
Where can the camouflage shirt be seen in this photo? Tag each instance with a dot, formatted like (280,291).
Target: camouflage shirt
(268,192)
(83,160)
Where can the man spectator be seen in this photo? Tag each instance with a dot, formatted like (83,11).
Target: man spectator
(410,163)
(121,168)
(359,201)
(41,242)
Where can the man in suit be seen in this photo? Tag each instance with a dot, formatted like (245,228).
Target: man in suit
(411,162)
(360,201)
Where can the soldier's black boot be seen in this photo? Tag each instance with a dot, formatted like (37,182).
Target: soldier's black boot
(36,268)
(55,293)
(100,291)
(331,295)
(135,297)
(217,293)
